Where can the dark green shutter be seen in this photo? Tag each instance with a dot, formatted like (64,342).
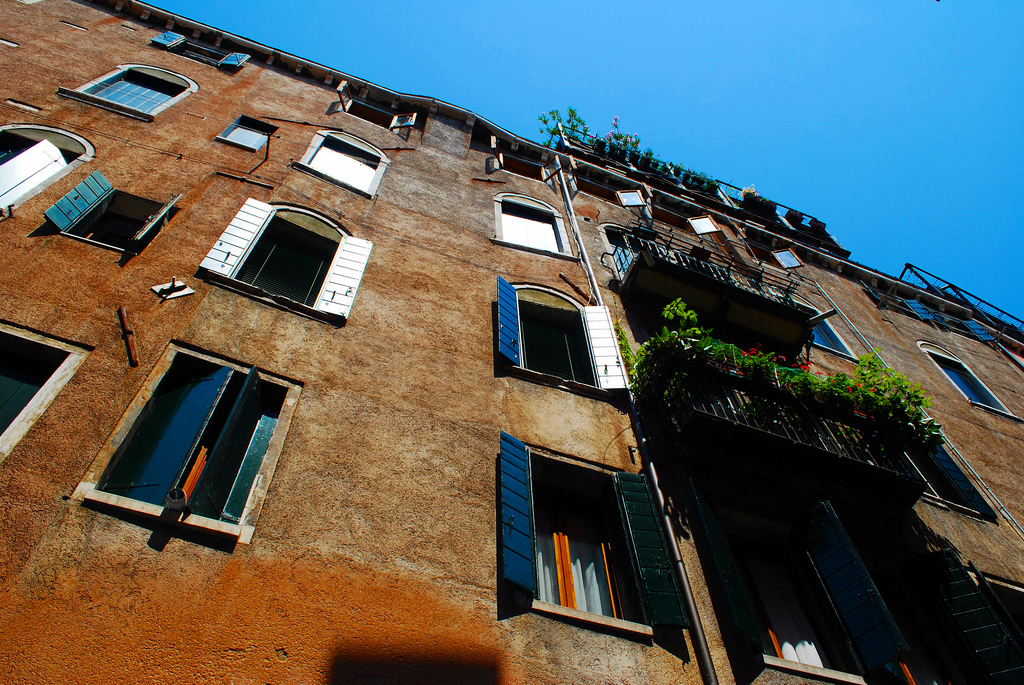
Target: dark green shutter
(958,482)
(226,456)
(856,599)
(982,647)
(83,198)
(508,321)
(728,572)
(516,525)
(647,539)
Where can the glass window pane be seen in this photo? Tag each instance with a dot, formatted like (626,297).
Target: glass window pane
(787,259)
(966,381)
(245,137)
(338,165)
(825,336)
(703,225)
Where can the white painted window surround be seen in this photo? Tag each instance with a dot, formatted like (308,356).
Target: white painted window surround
(345,160)
(37,167)
(525,221)
(115,91)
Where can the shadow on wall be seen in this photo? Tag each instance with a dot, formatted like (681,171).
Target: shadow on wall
(413,669)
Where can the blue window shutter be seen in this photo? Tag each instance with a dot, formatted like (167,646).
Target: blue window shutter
(86,196)
(235,59)
(854,596)
(516,524)
(508,322)
(980,644)
(922,311)
(168,40)
(978,330)
(958,482)
(650,553)
(727,569)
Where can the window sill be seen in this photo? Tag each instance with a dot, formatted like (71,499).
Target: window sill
(593,621)
(305,168)
(559,383)
(104,104)
(805,669)
(276,301)
(941,503)
(835,353)
(227,141)
(87,492)
(535,250)
(997,412)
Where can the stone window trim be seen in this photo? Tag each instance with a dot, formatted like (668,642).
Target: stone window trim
(934,351)
(48,392)
(303,164)
(87,156)
(80,95)
(242,532)
(565,249)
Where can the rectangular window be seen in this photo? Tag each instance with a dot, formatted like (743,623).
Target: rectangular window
(195,443)
(787,259)
(703,224)
(247,133)
(345,162)
(528,226)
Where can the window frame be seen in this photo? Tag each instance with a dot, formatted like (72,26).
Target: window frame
(41,400)
(88,490)
(846,352)
(932,351)
(87,156)
(305,162)
(81,95)
(560,235)
(249,124)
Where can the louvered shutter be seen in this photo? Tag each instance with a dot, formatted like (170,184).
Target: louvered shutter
(958,482)
(28,169)
(224,257)
(727,570)
(982,647)
(516,523)
(339,291)
(604,348)
(508,322)
(90,194)
(650,554)
(854,596)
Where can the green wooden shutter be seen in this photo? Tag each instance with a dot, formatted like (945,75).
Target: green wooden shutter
(982,647)
(516,525)
(957,482)
(83,198)
(650,553)
(853,593)
(228,451)
(508,321)
(728,573)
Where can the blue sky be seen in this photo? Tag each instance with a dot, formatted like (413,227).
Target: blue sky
(898,123)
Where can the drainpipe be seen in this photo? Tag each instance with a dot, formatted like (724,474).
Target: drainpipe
(1017,528)
(699,639)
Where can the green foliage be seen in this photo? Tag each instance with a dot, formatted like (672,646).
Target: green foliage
(875,391)
(573,125)
(625,349)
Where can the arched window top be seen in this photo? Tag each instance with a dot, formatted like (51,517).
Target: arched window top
(345,160)
(935,349)
(163,74)
(356,142)
(139,91)
(527,201)
(70,144)
(309,220)
(960,375)
(546,298)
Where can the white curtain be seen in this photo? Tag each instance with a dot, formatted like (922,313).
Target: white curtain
(786,615)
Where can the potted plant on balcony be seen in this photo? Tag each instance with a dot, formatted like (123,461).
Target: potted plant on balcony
(646,160)
(752,201)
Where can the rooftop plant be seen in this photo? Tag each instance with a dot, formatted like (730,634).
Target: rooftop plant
(874,391)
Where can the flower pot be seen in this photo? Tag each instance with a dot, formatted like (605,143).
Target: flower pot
(600,144)
(634,157)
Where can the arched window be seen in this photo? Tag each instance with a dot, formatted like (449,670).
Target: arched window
(545,332)
(32,157)
(962,377)
(521,220)
(291,253)
(345,160)
(135,90)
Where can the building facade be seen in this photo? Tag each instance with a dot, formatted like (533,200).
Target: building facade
(306,380)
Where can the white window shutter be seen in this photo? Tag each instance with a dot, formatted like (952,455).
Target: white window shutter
(238,237)
(611,374)
(29,169)
(342,282)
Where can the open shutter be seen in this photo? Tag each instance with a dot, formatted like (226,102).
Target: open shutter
(727,569)
(157,221)
(604,347)
(238,237)
(83,198)
(854,596)
(516,526)
(958,482)
(235,59)
(30,168)
(650,554)
(228,452)
(339,291)
(982,647)
(508,322)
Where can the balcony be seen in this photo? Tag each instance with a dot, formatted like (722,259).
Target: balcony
(767,430)
(738,300)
